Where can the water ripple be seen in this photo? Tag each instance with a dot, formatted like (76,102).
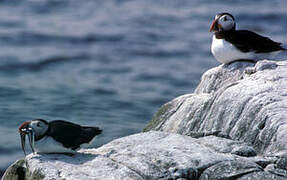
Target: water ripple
(41,64)
(33,38)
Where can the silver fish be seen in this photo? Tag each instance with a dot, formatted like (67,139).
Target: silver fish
(31,138)
(23,142)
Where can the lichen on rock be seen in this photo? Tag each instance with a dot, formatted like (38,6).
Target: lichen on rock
(16,171)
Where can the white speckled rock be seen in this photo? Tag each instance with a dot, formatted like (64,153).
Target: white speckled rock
(151,155)
(246,101)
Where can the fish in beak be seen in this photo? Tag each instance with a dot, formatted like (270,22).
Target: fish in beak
(24,130)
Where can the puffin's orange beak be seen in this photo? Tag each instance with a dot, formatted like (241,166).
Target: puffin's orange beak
(214,26)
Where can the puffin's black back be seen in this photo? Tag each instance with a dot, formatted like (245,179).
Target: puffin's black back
(71,135)
(248,41)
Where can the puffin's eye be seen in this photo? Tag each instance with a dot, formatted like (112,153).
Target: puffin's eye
(38,124)
(225,18)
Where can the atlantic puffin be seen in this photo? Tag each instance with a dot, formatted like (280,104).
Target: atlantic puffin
(229,44)
(56,136)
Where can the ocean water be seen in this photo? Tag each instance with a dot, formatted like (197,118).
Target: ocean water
(109,63)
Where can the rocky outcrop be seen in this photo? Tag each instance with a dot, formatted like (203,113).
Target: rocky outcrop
(244,101)
(247,103)
(233,126)
(155,155)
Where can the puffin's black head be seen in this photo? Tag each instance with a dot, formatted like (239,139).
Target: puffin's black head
(34,129)
(223,22)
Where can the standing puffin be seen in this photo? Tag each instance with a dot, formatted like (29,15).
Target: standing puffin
(229,45)
(56,136)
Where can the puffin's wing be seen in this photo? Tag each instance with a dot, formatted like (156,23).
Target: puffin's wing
(71,135)
(248,41)
(64,132)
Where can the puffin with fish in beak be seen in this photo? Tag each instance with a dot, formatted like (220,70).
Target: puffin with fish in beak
(56,136)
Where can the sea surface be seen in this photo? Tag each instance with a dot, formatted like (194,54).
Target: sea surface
(109,63)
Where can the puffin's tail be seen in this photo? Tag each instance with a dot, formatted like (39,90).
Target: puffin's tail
(88,133)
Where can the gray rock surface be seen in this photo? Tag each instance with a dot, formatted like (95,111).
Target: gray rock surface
(245,101)
(153,155)
(234,126)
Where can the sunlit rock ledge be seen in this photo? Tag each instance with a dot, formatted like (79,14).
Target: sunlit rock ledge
(245,101)
(233,126)
(152,155)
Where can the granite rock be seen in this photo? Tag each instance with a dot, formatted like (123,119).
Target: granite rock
(245,101)
(150,155)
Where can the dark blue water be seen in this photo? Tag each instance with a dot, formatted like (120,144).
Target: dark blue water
(109,63)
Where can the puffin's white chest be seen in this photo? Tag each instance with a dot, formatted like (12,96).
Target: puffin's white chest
(225,52)
(48,145)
